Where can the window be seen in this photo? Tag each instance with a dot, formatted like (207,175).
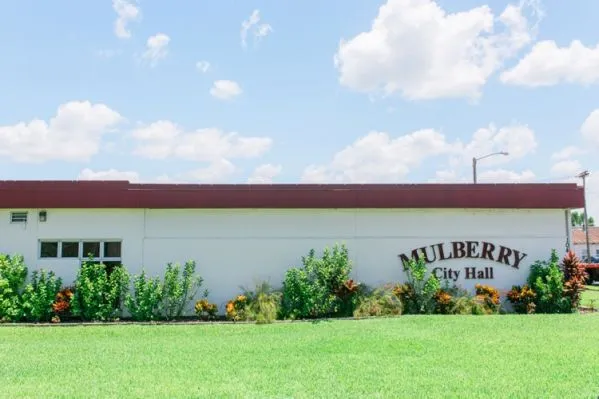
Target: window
(91,249)
(18,217)
(112,249)
(70,249)
(49,249)
(108,251)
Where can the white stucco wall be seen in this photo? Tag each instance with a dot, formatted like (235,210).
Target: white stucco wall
(240,247)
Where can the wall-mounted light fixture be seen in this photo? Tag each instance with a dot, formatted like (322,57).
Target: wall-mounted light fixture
(43,215)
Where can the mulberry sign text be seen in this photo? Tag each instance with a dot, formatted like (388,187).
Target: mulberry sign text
(467,250)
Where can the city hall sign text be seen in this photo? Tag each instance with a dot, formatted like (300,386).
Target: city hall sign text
(467,250)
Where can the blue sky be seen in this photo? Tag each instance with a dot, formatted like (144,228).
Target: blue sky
(336,91)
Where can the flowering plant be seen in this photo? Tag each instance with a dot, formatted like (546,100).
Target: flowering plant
(205,309)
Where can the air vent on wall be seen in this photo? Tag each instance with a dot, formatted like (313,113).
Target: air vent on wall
(18,217)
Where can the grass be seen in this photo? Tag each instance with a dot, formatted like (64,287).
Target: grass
(590,294)
(410,356)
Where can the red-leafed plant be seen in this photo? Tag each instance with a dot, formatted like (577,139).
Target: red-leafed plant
(62,303)
(575,276)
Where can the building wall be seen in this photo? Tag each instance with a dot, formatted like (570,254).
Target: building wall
(243,246)
(581,250)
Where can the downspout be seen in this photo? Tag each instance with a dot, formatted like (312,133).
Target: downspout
(568,229)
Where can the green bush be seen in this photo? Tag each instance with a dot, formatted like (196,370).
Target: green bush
(39,295)
(146,302)
(380,302)
(180,288)
(98,294)
(263,304)
(418,293)
(13,273)
(547,281)
(319,288)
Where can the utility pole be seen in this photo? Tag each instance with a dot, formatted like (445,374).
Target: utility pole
(584,176)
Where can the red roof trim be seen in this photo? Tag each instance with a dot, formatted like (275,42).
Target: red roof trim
(122,194)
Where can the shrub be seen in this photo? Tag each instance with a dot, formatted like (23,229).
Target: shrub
(452,300)
(99,295)
(381,302)
(522,298)
(62,302)
(488,299)
(444,302)
(237,309)
(13,273)
(547,281)
(418,294)
(146,302)
(321,288)
(206,310)
(575,276)
(39,295)
(180,287)
(261,305)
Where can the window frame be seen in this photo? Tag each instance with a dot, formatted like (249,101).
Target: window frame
(80,255)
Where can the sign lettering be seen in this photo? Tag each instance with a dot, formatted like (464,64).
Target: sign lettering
(479,250)
(467,250)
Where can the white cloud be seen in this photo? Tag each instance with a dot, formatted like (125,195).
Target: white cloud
(489,176)
(74,134)
(127,12)
(446,176)
(505,176)
(567,168)
(217,171)
(547,65)
(566,152)
(164,139)
(417,49)
(203,66)
(517,140)
(265,174)
(590,127)
(225,89)
(110,174)
(156,48)
(259,30)
(377,157)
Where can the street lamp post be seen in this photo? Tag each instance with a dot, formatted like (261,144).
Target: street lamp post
(475,161)
(584,175)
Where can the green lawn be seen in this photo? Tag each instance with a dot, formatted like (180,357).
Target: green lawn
(589,295)
(410,356)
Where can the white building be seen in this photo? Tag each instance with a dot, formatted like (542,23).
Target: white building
(240,234)
(579,242)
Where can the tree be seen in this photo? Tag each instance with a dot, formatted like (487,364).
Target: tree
(578,219)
